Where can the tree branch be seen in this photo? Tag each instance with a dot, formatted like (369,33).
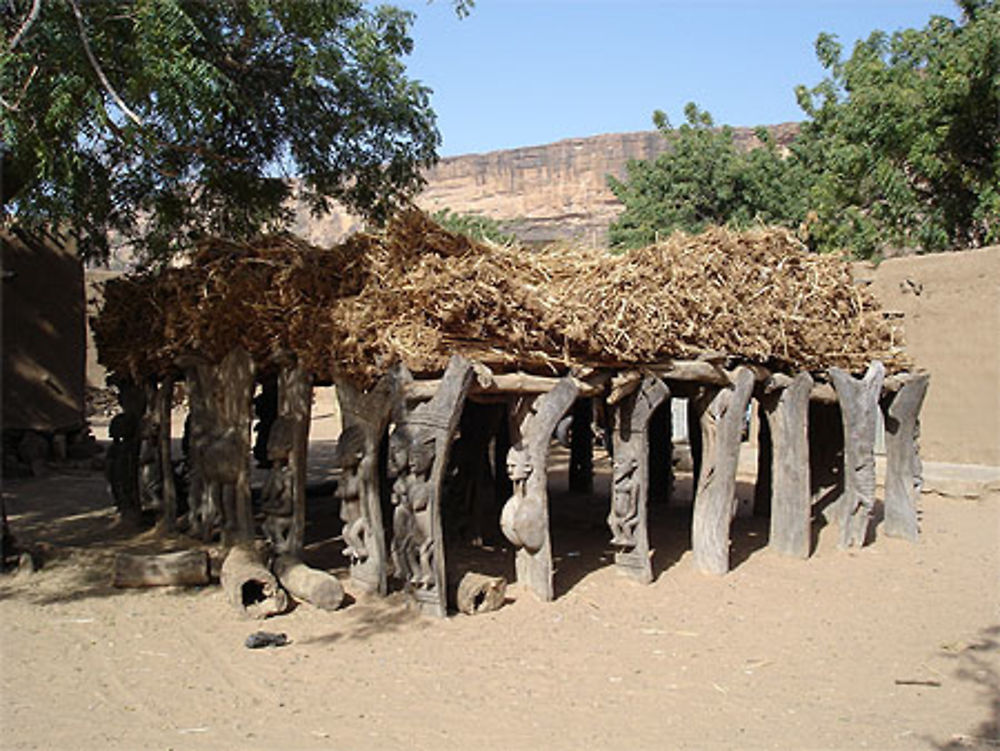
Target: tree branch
(36,6)
(97,68)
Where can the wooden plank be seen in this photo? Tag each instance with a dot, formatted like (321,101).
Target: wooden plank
(903,469)
(858,408)
(721,413)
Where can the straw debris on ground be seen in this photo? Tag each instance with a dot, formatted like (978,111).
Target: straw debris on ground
(417,293)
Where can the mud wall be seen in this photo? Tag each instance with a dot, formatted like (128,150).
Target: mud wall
(951,303)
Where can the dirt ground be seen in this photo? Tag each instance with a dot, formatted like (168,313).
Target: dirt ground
(895,646)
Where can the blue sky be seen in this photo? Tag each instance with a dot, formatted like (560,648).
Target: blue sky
(526,72)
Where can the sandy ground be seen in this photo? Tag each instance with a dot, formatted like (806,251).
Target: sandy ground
(895,646)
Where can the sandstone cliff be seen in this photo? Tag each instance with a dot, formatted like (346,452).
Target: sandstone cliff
(543,193)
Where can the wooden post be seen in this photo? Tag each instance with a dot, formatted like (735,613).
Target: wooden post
(721,413)
(234,384)
(284,494)
(694,433)
(123,455)
(164,406)
(581,453)
(763,487)
(419,449)
(903,469)
(858,408)
(661,453)
(367,414)
(630,482)
(525,516)
(785,411)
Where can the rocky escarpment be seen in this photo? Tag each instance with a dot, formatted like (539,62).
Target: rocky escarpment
(543,193)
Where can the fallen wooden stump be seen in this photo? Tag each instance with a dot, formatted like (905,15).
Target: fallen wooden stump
(308,584)
(478,593)
(249,586)
(187,568)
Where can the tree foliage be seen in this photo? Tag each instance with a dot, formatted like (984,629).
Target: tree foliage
(904,136)
(474,226)
(901,148)
(705,179)
(158,120)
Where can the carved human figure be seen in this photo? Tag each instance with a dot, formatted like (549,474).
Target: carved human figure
(150,471)
(277,496)
(350,455)
(419,492)
(405,557)
(624,516)
(522,519)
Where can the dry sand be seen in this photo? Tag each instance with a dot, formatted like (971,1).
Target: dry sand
(895,646)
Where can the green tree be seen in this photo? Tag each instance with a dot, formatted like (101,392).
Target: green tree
(705,179)
(474,226)
(158,120)
(904,136)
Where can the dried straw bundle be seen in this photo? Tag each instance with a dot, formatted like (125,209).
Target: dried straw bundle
(418,293)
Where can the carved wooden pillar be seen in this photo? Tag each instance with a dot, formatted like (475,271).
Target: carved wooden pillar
(581,450)
(122,468)
(164,407)
(661,453)
(785,410)
(694,435)
(419,448)
(284,494)
(721,417)
(228,455)
(525,517)
(630,420)
(365,415)
(903,475)
(199,379)
(858,408)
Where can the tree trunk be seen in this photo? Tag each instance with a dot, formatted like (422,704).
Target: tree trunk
(164,405)
(250,588)
(188,568)
(308,584)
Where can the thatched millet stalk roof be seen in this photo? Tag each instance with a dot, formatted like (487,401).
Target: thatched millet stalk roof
(417,293)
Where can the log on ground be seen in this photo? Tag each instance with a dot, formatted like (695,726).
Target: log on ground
(308,584)
(249,586)
(187,568)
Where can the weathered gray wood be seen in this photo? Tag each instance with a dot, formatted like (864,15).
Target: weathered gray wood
(478,593)
(164,406)
(501,383)
(581,450)
(903,473)
(721,417)
(199,382)
(284,494)
(187,568)
(859,411)
(786,412)
(234,384)
(525,516)
(419,451)
(630,480)
(307,584)
(365,418)
(151,469)
(249,586)
(122,462)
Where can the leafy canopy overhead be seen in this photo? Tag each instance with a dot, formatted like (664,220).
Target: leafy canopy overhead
(159,120)
(705,179)
(901,149)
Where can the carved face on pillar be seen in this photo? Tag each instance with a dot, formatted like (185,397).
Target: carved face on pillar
(399,452)
(518,464)
(421,453)
(279,440)
(350,448)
